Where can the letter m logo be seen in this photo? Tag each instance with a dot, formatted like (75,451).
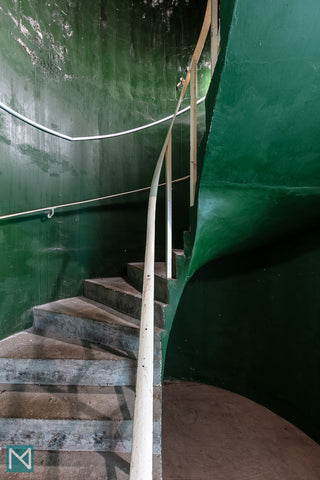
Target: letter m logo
(19,458)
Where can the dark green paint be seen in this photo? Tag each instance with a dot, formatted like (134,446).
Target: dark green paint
(177,286)
(248,320)
(261,167)
(85,68)
(249,323)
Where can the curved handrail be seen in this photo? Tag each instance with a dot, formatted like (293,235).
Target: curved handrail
(42,128)
(141,455)
(141,458)
(50,211)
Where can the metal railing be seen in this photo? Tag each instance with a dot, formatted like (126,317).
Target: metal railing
(141,457)
(142,444)
(49,211)
(63,136)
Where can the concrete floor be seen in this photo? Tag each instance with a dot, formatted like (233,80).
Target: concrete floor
(212,434)
(208,434)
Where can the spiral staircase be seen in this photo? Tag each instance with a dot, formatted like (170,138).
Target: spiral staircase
(68,383)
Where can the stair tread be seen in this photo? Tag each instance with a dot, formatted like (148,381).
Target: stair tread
(65,394)
(117,404)
(81,403)
(74,435)
(71,397)
(83,307)
(159,268)
(30,345)
(119,284)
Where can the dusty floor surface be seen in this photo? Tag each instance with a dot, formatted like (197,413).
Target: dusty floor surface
(212,434)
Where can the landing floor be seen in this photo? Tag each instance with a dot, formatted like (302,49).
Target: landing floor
(212,434)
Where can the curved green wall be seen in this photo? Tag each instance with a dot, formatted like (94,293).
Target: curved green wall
(248,320)
(249,323)
(261,169)
(85,68)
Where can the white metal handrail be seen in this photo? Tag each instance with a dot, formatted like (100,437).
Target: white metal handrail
(42,128)
(142,444)
(49,211)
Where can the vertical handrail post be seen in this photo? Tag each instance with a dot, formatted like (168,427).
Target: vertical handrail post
(193,131)
(214,34)
(169,208)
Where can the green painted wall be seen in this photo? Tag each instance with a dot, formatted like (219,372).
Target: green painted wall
(261,168)
(248,319)
(85,68)
(249,323)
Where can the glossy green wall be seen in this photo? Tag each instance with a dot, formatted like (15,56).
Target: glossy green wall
(261,169)
(248,319)
(85,68)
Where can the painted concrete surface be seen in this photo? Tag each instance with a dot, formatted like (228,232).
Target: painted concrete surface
(249,323)
(212,434)
(260,175)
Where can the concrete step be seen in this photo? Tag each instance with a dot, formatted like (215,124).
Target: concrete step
(135,278)
(53,465)
(86,319)
(31,358)
(61,402)
(73,435)
(82,402)
(67,386)
(120,295)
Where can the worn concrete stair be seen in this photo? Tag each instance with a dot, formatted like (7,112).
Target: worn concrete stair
(83,318)
(67,385)
(135,277)
(122,296)
(161,287)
